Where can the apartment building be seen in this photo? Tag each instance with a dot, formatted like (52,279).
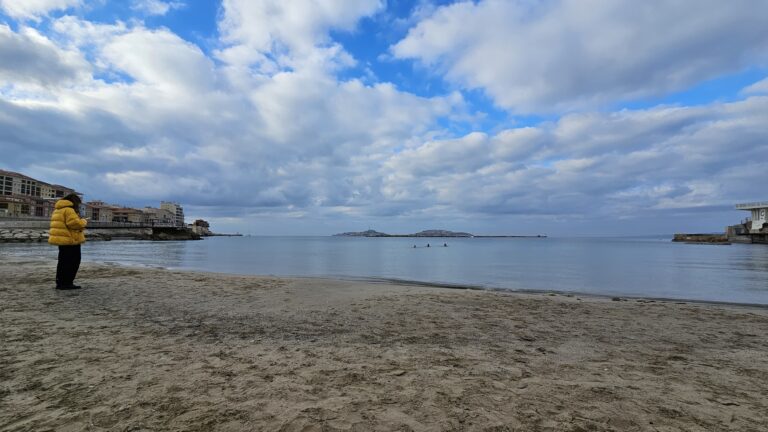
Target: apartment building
(22,196)
(158,216)
(176,210)
(103,212)
(127,214)
(99,211)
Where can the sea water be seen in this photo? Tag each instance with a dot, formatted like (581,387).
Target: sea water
(643,267)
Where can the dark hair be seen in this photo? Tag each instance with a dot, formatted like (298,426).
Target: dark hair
(74,198)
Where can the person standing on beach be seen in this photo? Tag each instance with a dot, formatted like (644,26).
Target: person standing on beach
(67,232)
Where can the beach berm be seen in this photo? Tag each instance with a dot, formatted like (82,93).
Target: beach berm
(152,349)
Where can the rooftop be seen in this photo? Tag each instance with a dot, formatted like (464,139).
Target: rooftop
(752,205)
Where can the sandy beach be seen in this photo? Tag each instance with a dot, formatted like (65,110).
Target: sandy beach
(148,349)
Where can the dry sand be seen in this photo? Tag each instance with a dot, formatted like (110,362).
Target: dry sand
(142,349)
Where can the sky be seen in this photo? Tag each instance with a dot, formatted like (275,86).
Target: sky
(312,117)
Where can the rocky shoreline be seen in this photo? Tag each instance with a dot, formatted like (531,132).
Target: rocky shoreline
(23,236)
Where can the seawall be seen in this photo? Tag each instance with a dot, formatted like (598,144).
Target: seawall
(31,231)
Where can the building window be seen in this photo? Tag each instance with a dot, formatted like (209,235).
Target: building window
(25,209)
(30,188)
(6,185)
(39,211)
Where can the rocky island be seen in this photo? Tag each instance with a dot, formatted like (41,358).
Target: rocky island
(426,233)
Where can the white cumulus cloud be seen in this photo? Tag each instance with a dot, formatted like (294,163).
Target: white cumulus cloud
(156,7)
(34,9)
(275,33)
(628,163)
(561,55)
(760,87)
(30,58)
(133,114)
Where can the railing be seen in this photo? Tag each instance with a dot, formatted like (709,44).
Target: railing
(97,224)
(12,217)
(748,206)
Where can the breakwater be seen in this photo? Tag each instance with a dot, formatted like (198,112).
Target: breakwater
(702,238)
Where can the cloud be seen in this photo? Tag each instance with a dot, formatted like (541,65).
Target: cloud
(760,87)
(156,7)
(564,55)
(155,57)
(275,34)
(298,139)
(50,135)
(30,58)
(34,9)
(611,164)
(132,114)
(77,33)
(159,58)
(152,185)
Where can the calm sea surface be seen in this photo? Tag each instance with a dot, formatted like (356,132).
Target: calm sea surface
(651,267)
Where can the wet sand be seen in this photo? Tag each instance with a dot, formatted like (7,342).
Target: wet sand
(144,349)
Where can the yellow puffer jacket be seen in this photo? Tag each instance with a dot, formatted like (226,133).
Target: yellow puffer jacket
(66,226)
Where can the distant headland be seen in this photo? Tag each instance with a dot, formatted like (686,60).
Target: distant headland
(430,233)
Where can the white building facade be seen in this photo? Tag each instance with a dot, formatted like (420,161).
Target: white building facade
(759,212)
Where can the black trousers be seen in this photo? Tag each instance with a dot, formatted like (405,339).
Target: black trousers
(69,263)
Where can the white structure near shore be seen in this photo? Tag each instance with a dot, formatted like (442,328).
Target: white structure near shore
(759,213)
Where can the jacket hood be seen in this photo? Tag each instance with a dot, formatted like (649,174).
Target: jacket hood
(60,204)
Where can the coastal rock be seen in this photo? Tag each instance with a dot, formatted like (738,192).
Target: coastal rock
(23,235)
(174,234)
